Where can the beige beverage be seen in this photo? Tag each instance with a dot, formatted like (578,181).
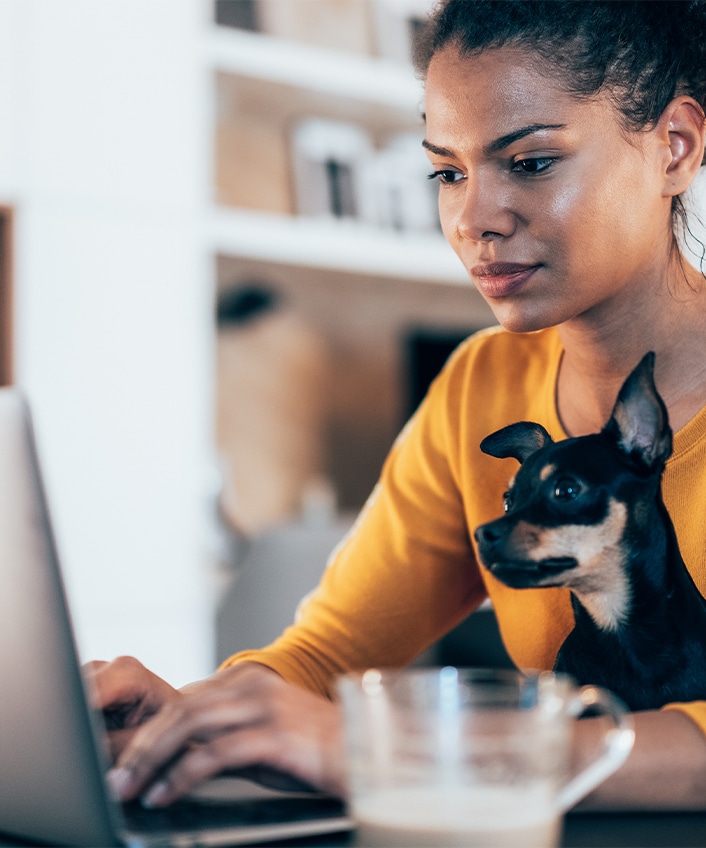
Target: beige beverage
(434,817)
(470,758)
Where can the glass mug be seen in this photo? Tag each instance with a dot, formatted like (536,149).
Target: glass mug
(470,757)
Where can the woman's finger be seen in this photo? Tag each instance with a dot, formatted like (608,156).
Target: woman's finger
(192,720)
(126,691)
(283,751)
(117,741)
(252,717)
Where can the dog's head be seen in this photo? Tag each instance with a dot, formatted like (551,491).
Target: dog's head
(568,506)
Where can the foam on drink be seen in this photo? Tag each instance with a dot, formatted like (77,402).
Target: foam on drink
(453,817)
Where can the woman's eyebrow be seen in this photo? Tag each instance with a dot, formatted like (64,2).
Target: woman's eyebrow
(506,140)
(433,148)
(499,143)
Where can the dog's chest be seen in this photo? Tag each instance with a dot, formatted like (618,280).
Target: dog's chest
(646,663)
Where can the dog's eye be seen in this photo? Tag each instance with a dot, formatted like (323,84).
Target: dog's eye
(566,489)
(507,501)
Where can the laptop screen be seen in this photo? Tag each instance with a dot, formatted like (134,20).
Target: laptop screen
(52,786)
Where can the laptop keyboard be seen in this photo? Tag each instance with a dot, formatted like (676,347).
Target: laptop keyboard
(200,814)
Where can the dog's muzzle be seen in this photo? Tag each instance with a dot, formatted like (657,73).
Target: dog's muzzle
(511,565)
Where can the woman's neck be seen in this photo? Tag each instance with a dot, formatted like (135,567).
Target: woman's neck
(600,351)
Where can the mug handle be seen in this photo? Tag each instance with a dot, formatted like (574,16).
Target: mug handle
(617,743)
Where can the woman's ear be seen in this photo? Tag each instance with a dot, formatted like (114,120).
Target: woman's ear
(683,128)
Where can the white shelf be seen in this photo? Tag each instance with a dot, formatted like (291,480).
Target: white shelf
(332,72)
(339,245)
(387,93)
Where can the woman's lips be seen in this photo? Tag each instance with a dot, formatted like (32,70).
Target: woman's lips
(499,279)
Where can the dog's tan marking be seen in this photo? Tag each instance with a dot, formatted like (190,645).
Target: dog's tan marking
(547,471)
(599,580)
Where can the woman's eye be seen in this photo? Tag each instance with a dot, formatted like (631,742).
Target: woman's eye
(533,166)
(446,176)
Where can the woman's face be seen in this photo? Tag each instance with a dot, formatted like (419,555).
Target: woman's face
(555,213)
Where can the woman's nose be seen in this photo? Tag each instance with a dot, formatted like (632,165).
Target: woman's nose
(483,213)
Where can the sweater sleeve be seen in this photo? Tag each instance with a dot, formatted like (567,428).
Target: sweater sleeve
(406,572)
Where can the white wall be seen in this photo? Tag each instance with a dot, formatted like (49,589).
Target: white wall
(104,150)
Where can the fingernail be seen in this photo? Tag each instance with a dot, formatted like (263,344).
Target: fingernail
(119,780)
(157,795)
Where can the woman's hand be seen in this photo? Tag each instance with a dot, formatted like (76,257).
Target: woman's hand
(244,718)
(128,694)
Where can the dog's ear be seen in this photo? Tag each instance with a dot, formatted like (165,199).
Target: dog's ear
(640,421)
(518,440)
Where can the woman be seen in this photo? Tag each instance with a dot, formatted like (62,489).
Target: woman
(563,136)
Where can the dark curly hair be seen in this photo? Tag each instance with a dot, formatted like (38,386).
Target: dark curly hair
(641,53)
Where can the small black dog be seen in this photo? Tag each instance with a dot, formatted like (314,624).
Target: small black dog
(587,513)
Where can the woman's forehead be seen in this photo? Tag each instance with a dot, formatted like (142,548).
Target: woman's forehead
(510,73)
(498,91)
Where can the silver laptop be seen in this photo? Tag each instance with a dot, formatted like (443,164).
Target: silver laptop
(52,761)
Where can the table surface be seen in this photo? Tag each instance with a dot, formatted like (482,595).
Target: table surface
(591,830)
(635,830)
(581,830)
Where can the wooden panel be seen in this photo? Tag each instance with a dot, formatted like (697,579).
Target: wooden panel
(6,296)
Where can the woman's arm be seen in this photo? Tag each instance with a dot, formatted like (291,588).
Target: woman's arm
(249,719)
(666,769)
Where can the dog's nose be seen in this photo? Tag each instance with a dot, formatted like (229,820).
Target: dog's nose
(486,534)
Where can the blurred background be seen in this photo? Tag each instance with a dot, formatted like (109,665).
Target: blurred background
(223,288)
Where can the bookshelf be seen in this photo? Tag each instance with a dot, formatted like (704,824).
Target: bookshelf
(366,279)
(339,246)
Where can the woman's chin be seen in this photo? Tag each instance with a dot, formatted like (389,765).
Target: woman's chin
(519,321)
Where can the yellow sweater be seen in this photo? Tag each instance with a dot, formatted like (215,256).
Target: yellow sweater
(407,572)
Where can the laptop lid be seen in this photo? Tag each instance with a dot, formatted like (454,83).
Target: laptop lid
(52,786)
